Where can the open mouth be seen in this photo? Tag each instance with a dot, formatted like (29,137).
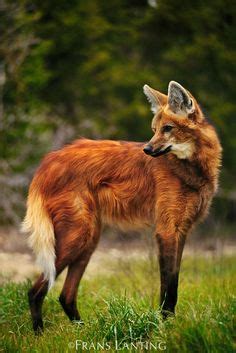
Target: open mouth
(159,152)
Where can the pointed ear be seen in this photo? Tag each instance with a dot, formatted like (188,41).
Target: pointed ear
(157,99)
(179,100)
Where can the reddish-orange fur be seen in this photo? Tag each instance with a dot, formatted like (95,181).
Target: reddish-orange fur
(91,183)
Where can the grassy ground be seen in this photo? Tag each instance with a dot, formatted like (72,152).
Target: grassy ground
(120,312)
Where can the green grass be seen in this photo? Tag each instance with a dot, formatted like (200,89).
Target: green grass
(120,309)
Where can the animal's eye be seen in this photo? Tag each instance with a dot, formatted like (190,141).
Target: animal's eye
(167,128)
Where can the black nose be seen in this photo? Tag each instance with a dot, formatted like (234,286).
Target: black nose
(148,149)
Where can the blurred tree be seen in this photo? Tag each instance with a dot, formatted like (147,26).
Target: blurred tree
(23,126)
(96,73)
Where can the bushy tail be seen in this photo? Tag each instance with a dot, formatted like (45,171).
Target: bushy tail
(42,239)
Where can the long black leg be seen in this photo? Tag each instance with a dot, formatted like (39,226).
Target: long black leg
(36,296)
(170,254)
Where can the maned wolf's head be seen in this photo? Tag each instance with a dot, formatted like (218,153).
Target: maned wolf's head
(175,118)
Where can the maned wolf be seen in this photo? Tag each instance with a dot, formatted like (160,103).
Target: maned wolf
(87,184)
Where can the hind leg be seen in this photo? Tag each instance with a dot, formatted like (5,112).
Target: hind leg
(36,297)
(38,292)
(69,292)
(81,243)
(76,235)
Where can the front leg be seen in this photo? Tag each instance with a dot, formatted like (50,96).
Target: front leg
(170,254)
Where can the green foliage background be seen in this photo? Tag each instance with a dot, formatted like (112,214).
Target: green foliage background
(76,68)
